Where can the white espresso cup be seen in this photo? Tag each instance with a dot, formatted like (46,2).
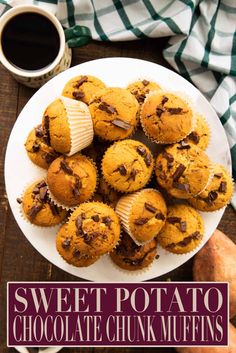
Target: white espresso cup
(34,77)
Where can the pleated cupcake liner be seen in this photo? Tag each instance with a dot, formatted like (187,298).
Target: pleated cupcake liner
(187,100)
(80,124)
(22,213)
(124,210)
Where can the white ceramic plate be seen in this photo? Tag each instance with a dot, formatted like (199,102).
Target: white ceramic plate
(19,171)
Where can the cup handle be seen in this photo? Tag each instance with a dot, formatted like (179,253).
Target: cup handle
(77,36)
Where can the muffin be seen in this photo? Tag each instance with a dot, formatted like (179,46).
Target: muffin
(68,125)
(96,228)
(183,170)
(130,256)
(183,230)
(38,208)
(200,136)
(72,180)
(217,194)
(127,165)
(105,193)
(166,117)
(114,113)
(142,214)
(38,151)
(66,244)
(141,88)
(82,88)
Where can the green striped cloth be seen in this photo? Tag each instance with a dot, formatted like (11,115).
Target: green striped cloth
(202,44)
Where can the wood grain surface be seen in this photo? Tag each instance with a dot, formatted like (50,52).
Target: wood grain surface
(19,261)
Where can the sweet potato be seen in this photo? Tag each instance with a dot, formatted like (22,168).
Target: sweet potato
(216,261)
(230,349)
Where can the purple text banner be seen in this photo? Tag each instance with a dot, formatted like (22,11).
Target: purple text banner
(117,314)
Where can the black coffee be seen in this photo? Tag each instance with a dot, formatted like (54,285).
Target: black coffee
(30,41)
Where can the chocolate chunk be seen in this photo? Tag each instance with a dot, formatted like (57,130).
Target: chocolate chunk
(95,218)
(160,215)
(49,157)
(183,226)
(76,252)
(78,224)
(223,187)
(150,208)
(183,146)
(171,246)
(46,136)
(194,137)
(54,208)
(88,238)
(81,81)
(35,147)
(43,193)
(83,215)
(41,184)
(133,174)
(76,187)
(159,111)
(141,150)
(159,167)
(168,157)
(121,124)
(19,200)
(173,111)
(66,243)
(35,191)
(107,108)
(34,211)
(148,159)
(107,220)
(157,257)
(164,100)
(78,95)
(178,172)
(140,221)
(218,175)
(212,196)
(121,169)
(39,131)
(182,187)
(140,97)
(187,240)
(145,82)
(195,235)
(64,166)
(173,220)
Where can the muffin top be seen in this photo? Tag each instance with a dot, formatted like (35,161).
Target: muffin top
(146,212)
(114,113)
(200,136)
(38,208)
(165,117)
(105,193)
(127,165)
(72,180)
(141,88)
(183,170)
(67,247)
(82,88)
(39,152)
(183,230)
(130,256)
(96,228)
(56,126)
(217,194)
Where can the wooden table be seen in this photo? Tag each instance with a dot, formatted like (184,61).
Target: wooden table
(19,261)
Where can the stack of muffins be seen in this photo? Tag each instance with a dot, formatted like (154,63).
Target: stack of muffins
(107,198)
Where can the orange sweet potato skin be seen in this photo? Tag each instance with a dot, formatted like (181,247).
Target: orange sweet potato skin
(230,349)
(216,261)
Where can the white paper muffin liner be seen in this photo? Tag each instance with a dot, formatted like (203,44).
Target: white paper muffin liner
(80,123)
(124,209)
(22,213)
(187,100)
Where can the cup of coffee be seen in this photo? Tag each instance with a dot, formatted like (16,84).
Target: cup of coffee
(32,45)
